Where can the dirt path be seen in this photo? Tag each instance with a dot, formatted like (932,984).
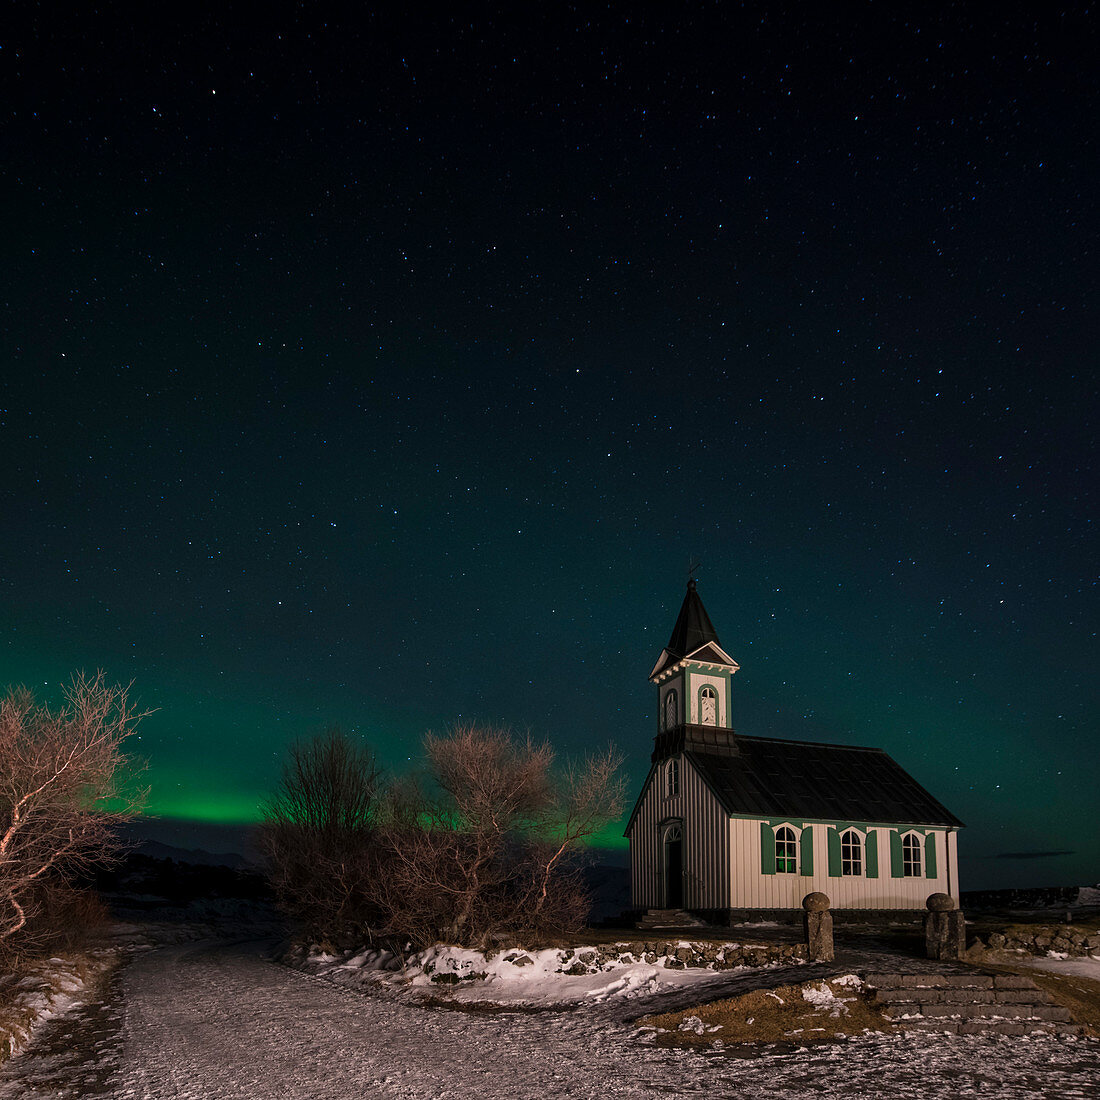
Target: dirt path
(219,1021)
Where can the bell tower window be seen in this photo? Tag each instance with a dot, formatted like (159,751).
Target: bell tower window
(671,711)
(708,707)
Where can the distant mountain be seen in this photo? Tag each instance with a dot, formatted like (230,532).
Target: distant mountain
(154,849)
(202,843)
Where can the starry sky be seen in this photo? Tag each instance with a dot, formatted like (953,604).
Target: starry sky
(378,367)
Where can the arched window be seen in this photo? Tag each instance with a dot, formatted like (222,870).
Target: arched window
(786,851)
(708,707)
(911,862)
(851,853)
(672,778)
(671,713)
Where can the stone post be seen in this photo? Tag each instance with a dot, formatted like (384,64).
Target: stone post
(944,928)
(817,923)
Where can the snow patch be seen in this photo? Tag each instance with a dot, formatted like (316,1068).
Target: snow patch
(51,989)
(1082,966)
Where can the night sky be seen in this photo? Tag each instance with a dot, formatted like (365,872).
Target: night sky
(390,369)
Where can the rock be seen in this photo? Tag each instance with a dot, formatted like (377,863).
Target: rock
(941,903)
(997,941)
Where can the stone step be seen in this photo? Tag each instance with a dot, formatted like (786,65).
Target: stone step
(992,1027)
(962,996)
(1046,1012)
(969,1004)
(950,981)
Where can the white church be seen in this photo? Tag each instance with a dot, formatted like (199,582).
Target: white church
(726,822)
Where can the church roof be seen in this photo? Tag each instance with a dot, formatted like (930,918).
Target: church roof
(693,626)
(693,636)
(768,777)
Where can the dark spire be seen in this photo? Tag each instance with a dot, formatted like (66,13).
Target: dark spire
(693,626)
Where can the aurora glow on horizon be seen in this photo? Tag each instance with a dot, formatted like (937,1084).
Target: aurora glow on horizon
(386,375)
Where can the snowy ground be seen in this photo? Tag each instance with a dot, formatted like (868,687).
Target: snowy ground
(1083,966)
(50,988)
(214,1020)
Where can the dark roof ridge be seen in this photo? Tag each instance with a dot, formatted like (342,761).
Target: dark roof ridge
(814,744)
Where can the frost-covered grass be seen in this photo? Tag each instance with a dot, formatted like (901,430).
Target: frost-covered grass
(43,988)
(807,1013)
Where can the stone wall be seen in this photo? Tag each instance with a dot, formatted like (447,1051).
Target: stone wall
(1059,938)
(678,954)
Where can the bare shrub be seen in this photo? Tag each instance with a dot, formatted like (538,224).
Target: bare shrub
(495,848)
(63,792)
(316,839)
(66,918)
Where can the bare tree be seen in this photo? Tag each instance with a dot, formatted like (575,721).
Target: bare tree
(586,798)
(62,790)
(494,786)
(316,838)
(495,849)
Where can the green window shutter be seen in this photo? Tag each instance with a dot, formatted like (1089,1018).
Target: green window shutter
(767,849)
(833,838)
(806,851)
(872,853)
(930,855)
(897,867)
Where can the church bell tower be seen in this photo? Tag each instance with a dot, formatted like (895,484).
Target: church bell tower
(694,679)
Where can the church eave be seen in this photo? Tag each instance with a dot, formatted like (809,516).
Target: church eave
(662,672)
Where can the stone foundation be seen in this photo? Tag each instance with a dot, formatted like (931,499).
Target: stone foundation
(679,954)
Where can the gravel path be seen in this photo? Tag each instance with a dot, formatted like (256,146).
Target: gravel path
(214,1021)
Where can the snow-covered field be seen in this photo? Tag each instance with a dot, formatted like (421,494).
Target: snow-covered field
(214,1020)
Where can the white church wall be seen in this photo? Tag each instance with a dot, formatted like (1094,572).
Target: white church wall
(754,889)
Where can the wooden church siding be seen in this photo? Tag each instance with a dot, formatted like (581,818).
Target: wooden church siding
(706,845)
(951,871)
(645,844)
(753,889)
